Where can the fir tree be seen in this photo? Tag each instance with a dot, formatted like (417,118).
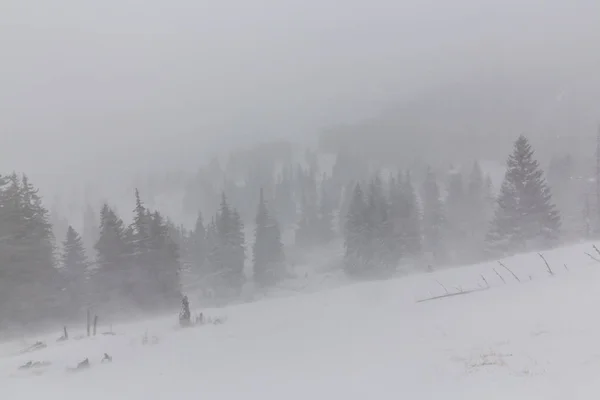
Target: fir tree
(141,227)
(525,217)
(380,248)
(112,278)
(284,198)
(355,233)
(410,218)
(347,197)
(30,289)
(237,243)
(457,214)
(38,229)
(74,266)
(476,193)
(74,260)
(90,229)
(162,273)
(307,233)
(326,208)
(185,316)
(433,218)
(111,246)
(478,213)
(490,196)
(267,252)
(228,253)
(198,245)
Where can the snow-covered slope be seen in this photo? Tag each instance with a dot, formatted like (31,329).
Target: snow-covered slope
(533,339)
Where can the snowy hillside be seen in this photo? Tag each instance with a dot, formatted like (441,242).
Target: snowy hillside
(533,339)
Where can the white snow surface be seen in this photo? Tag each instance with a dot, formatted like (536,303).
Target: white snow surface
(534,339)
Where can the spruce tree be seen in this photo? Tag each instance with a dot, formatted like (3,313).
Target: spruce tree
(210,274)
(307,232)
(405,217)
(141,228)
(75,268)
(90,229)
(228,254)
(381,251)
(39,244)
(267,252)
(525,217)
(490,196)
(237,243)
(457,214)
(30,289)
(434,222)
(111,246)
(326,209)
(347,196)
(162,273)
(74,260)
(476,194)
(355,233)
(38,229)
(412,239)
(112,278)
(198,245)
(284,198)
(477,217)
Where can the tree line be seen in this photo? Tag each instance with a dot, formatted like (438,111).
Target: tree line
(134,268)
(386,223)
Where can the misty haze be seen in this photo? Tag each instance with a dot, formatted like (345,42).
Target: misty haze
(299,199)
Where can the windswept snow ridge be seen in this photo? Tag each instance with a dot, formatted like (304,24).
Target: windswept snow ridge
(533,339)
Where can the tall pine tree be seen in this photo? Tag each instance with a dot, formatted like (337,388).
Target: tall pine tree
(30,288)
(112,278)
(411,219)
(525,217)
(355,234)
(227,254)
(268,257)
(434,223)
(457,214)
(75,269)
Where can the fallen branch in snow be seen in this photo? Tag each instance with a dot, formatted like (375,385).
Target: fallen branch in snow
(547,265)
(592,257)
(485,280)
(452,294)
(567,268)
(36,346)
(85,364)
(513,274)
(444,287)
(595,248)
(35,364)
(500,276)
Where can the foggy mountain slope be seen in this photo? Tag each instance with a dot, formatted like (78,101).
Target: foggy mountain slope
(130,85)
(479,117)
(534,339)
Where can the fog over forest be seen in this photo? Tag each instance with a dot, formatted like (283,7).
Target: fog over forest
(301,110)
(299,199)
(105,89)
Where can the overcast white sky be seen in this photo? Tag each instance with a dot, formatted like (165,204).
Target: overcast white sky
(82,82)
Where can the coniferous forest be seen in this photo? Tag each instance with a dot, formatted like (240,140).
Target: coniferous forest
(244,222)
